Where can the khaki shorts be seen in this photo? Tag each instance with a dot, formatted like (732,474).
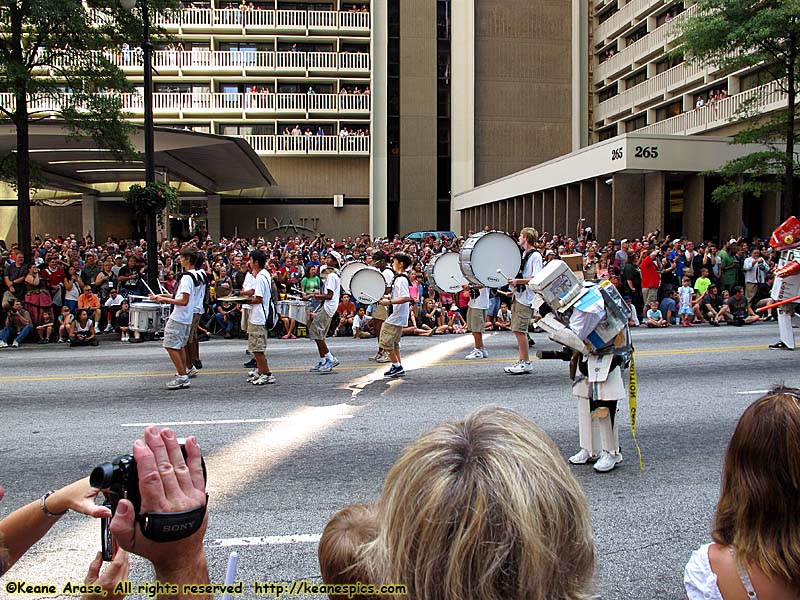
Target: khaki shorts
(520,317)
(256,338)
(380,312)
(318,330)
(193,330)
(176,335)
(476,319)
(648,295)
(390,337)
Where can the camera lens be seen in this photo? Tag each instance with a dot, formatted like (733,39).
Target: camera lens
(102,476)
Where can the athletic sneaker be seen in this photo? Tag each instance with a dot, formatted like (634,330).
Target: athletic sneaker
(192,372)
(3,344)
(582,457)
(519,367)
(15,344)
(394,372)
(198,364)
(474,355)
(264,379)
(327,365)
(485,352)
(250,364)
(779,346)
(318,366)
(179,383)
(253,375)
(383,358)
(378,355)
(334,362)
(108,328)
(607,461)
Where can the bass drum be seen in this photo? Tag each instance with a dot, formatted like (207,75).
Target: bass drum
(486,253)
(367,285)
(444,273)
(348,271)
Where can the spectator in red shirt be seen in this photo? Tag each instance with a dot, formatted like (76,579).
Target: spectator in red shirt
(651,280)
(55,276)
(346,311)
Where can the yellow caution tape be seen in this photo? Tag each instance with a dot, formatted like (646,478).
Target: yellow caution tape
(633,389)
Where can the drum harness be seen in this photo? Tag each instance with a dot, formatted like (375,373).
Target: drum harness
(390,308)
(520,287)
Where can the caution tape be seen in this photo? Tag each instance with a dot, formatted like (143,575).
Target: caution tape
(633,389)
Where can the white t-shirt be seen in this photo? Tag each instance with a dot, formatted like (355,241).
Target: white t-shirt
(400,312)
(249,284)
(359,322)
(699,580)
(263,289)
(530,269)
(199,291)
(184,314)
(332,284)
(388,275)
(112,301)
(482,301)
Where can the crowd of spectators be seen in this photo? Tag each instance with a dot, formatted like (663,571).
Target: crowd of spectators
(75,289)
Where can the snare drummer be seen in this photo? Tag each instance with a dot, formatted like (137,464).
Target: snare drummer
(320,322)
(380,313)
(521,310)
(179,324)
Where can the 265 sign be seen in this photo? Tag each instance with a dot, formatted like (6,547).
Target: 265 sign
(646,152)
(616,154)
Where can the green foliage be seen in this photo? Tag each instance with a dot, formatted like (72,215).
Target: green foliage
(152,198)
(736,34)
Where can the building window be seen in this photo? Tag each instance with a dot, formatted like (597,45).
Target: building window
(605,14)
(608,92)
(636,35)
(636,123)
(636,79)
(667,63)
(669,111)
(607,133)
(754,79)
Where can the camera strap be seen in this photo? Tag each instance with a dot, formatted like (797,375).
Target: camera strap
(169,527)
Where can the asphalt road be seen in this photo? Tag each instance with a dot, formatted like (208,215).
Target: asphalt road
(283,458)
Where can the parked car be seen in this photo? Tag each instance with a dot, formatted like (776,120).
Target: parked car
(418,236)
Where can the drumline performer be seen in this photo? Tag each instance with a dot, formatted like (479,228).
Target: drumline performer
(521,310)
(591,322)
(320,321)
(248,288)
(257,325)
(400,302)
(476,319)
(786,239)
(193,361)
(179,324)
(379,312)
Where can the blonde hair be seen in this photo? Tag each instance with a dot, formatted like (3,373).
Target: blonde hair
(530,234)
(485,508)
(757,513)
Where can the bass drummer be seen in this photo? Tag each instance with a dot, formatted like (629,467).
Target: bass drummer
(521,310)
(379,312)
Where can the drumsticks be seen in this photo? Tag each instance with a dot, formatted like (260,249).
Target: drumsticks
(500,272)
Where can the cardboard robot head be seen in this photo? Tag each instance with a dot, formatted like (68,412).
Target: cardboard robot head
(787,235)
(557,285)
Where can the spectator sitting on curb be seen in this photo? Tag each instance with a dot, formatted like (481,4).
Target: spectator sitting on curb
(736,310)
(82,331)
(709,305)
(654,316)
(45,328)
(18,323)
(361,327)
(88,300)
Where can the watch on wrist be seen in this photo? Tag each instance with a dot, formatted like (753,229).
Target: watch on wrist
(43,505)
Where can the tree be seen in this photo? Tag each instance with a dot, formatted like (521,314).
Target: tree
(47,47)
(736,34)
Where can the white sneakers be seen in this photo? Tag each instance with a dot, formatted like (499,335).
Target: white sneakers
(519,367)
(192,372)
(582,457)
(477,353)
(3,344)
(607,461)
(179,383)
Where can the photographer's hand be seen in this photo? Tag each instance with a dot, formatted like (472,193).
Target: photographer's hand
(167,484)
(116,571)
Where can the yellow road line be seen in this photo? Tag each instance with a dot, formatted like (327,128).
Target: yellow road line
(445,363)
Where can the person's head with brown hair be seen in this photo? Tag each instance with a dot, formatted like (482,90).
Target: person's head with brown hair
(529,234)
(341,546)
(484,508)
(757,513)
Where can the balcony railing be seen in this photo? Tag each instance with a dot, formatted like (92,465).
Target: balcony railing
(656,39)
(179,103)
(240,61)
(720,113)
(309,144)
(621,19)
(271,20)
(671,79)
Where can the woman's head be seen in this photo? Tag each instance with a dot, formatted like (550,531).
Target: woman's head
(485,508)
(82,315)
(65,310)
(758,511)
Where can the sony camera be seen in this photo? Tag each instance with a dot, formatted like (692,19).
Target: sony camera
(119,479)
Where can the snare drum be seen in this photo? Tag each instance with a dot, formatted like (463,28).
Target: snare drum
(146,317)
(444,273)
(484,253)
(348,271)
(295,309)
(367,285)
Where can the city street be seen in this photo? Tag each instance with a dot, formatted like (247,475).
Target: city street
(283,458)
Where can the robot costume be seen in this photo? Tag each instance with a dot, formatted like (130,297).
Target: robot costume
(591,322)
(786,289)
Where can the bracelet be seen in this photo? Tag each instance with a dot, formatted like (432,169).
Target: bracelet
(44,507)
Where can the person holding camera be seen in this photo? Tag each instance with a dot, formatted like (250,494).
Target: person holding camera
(20,530)
(755,274)
(18,323)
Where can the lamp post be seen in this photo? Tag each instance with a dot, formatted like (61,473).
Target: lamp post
(149,144)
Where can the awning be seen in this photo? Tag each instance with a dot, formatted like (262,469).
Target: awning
(212,163)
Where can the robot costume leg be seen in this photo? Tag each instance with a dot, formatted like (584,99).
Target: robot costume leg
(587,434)
(785,314)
